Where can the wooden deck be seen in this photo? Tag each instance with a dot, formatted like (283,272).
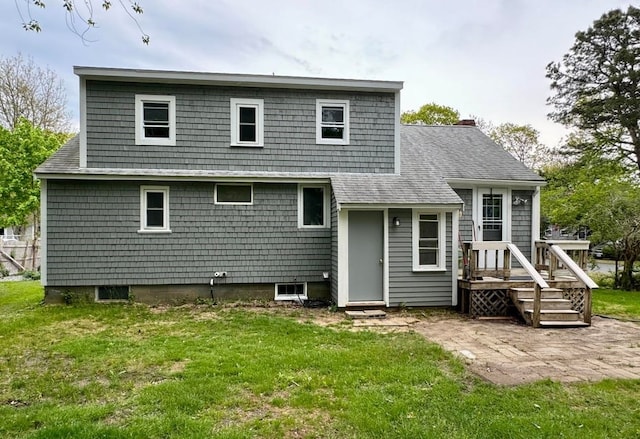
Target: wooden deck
(499,291)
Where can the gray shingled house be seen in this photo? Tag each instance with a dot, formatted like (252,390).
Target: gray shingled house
(184,184)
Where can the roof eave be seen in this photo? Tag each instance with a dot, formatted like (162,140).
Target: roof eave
(234,79)
(459,182)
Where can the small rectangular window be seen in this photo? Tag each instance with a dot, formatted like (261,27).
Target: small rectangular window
(313,206)
(428,241)
(291,291)
(155,120)
(332,122)
(154,206)
(247,122)
(234,194)
(112,293)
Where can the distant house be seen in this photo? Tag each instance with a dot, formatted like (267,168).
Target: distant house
(184,184)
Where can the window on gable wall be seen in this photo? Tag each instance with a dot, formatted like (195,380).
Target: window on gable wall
(154,206)
(332,122)
(247,122)
(155,120)
(313,209)
(428,241)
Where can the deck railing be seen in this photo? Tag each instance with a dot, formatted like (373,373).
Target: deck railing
(558,253)
(487,258)
(546,261)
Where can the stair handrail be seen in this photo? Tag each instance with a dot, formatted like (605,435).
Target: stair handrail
(524,262)
(539,282)
(579,273)
(574,268)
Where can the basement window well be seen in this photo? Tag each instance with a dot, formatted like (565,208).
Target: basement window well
(291,291)
(112,293)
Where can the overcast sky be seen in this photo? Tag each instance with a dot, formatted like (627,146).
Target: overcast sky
(482,57)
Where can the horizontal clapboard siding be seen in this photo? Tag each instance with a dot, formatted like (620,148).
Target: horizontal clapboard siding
(409,288)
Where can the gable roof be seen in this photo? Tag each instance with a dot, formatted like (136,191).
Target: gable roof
(461,152)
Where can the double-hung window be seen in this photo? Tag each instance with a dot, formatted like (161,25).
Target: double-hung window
(428,241)
(332,122)
(155,120)
(247,122)
(154,209)
(313,206)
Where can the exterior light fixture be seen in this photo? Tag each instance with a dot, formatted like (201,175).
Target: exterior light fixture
(396,221)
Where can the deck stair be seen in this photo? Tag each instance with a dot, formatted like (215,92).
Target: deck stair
(555,310)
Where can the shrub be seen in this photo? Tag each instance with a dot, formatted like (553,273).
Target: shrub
(4,272)
(604,280)
(31,275)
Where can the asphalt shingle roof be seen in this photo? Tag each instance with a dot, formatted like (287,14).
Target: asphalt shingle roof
(460,152)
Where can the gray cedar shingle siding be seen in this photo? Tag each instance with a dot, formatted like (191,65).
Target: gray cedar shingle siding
(203,130)
(466,220)
(93,239)
(410,288)
(521,222)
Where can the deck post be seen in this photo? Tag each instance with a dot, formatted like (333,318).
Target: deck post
(506,263)
(587,305)
(537,295)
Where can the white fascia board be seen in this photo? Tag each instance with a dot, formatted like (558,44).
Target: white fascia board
(167,177)
(378,206)
(468,183)
(234,79)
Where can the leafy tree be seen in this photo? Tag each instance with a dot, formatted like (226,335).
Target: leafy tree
(596,86)
(600,194)
(431,114)
(522,142)
(21,151)
(81,15)
(31,92)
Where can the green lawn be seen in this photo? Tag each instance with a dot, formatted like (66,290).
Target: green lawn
(130,371)
(617,303)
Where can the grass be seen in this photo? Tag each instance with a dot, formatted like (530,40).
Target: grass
(130,371)
(617,303)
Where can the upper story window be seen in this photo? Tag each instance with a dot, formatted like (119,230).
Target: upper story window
(313,206)
(428,241)
(154,209)
(155,120)
(332,122)
(247,122)
(234,194)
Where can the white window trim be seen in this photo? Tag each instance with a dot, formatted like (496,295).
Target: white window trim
(442,245)
(236,104)
(232,203)
(289,297)
(335,103)
(143,209)
(163,99)
(325,214)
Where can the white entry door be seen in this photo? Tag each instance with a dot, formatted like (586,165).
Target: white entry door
(492,221)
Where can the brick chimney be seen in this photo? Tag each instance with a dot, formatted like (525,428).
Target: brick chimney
(468,122)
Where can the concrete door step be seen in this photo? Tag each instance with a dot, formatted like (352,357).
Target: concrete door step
(366,314)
